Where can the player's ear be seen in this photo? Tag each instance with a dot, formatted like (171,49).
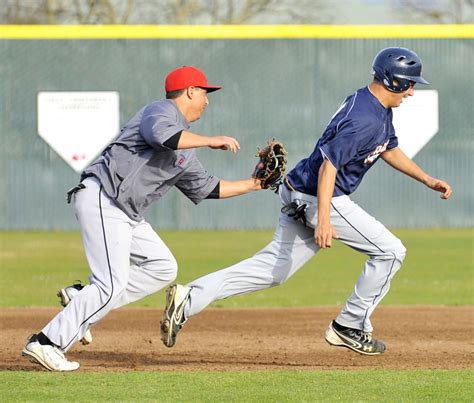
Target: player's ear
(190,92)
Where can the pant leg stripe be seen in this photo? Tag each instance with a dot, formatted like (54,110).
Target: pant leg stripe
(381,289)
(108,264)
(355,229)
(381,250)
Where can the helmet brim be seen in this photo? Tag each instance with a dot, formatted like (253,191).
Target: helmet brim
(421,80)
(416,79)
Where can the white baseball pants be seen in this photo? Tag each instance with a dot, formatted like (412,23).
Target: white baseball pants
(128,261)
(293,245)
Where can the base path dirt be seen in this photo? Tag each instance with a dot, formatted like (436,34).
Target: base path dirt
(423,337)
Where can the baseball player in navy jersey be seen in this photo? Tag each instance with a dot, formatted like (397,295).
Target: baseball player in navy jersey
(154,152)
(316,208)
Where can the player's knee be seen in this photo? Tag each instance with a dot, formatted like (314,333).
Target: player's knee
(399,251)
(281,272)
(395,250)
(109,292)
(278,280)
(172,270)
(165,270)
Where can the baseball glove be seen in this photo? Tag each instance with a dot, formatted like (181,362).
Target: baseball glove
(271,165)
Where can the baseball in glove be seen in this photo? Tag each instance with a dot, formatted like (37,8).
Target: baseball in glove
(271,165)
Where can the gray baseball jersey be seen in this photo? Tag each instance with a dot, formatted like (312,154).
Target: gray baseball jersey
(137,168)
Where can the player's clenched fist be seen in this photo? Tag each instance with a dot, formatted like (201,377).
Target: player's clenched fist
(324,234)
(440,186)
(224,143)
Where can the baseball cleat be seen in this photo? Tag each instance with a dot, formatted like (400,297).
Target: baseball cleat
(65,295)
(50,357)
(173,317)
(356,340)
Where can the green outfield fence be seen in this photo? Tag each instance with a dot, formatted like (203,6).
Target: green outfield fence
(279,81)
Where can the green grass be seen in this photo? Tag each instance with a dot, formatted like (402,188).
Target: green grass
(438,268)
(284,386)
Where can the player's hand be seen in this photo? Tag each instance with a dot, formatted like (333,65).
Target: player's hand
(224,143)
(440,186)
(324,233)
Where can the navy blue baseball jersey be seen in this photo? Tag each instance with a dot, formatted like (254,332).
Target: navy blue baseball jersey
(358,133)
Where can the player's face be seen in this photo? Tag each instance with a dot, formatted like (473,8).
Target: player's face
(199,102)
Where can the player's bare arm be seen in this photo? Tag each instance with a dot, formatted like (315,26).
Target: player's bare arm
(400,161)
(324,231)
(193,140)
(236,188)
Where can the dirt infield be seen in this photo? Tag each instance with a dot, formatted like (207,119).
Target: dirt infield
(254,339)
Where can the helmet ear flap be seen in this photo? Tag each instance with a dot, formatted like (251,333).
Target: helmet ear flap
(387,80)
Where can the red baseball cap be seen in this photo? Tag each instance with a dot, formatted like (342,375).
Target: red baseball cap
(188,76)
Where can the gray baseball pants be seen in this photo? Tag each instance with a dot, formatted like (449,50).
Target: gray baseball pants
(128,261)
(293,245)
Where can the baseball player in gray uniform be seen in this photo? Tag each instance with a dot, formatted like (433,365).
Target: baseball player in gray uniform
(154,152)
(316,208)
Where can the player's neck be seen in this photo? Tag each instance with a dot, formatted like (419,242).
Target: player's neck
(379,92)
(184,108)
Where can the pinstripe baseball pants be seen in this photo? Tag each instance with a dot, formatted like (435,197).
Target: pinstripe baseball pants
(293,245)
(128,261)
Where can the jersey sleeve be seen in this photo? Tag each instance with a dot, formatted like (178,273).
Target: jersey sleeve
(196,183)
(350,136)
(159,123)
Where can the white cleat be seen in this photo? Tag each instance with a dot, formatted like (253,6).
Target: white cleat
(65,295)
(173,317)
(50,357)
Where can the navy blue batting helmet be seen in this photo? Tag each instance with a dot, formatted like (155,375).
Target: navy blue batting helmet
(396,67)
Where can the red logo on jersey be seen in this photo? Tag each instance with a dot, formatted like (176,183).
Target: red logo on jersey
(374,154)
(181,160)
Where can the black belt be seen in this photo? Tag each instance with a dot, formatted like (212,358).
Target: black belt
(73,190)
(76,188)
